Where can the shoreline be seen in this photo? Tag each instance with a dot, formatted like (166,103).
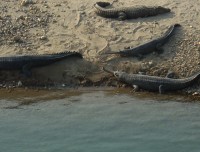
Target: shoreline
(188,93)
(52,27)
(19,97)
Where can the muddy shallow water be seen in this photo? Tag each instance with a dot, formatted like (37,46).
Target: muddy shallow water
(25,96)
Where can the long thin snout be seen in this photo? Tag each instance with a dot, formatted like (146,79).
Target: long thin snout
(108,70)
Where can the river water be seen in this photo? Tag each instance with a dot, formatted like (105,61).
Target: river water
(98,121)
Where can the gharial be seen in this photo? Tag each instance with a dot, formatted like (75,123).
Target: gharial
(154,83)
(26,62)
(131,12)
(149,47)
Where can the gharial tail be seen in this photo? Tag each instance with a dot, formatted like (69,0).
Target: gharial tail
(112,53)
(171,29)
(68,54)
(102,4)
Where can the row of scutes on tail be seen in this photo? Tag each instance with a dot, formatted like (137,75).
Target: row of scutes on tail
(69,53)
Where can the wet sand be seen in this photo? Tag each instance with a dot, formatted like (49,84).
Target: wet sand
(55,26)
(17,98)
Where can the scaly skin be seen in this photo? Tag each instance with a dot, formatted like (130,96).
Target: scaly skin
(154,83)
(128,12)
(149,47)
(26,62)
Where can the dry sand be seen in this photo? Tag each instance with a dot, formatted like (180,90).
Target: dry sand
(73,26)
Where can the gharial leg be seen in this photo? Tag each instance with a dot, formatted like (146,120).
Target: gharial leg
(139,56)
(159,48)
(122,16)
(26,70)
(161,89)
(135,88)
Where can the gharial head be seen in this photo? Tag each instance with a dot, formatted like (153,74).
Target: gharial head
(162,10)
(118,74)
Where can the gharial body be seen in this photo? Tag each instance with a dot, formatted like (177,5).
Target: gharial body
(151,46)
(26,62)
(127,12)
(154,83)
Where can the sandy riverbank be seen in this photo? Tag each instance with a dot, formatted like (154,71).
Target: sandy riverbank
(54,26)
